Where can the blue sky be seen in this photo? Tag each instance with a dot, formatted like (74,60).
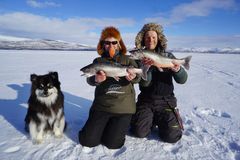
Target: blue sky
(186,23)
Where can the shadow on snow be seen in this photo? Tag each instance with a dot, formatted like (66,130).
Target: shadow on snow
(14,110)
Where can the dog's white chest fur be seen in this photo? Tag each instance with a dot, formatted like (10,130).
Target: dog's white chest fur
(47,100)
(51,118)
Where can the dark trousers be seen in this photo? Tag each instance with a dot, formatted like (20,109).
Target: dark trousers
(160,112)
(105,128)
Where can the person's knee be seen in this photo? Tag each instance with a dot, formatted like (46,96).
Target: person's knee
(88,141)
(172,136)
(172,139)
(140,133)
(113,143)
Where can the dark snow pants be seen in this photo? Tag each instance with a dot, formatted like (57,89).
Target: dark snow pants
(160,112)
(105,128)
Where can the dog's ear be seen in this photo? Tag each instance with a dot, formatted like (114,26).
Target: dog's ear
(54,75)
(33,77)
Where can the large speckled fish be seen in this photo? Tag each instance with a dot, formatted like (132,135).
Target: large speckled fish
(159,60)
(111,70)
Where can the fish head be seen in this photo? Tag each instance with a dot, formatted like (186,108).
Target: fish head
(136,54)
(88,70)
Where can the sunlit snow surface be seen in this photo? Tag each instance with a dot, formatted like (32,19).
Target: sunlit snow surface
(208,101)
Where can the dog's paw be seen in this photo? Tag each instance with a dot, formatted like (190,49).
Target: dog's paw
(59,136)
(37,141)
(58,133)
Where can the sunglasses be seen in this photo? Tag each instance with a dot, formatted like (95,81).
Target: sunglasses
(110,42)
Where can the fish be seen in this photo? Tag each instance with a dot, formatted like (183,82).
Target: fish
(113,70)
(159,60)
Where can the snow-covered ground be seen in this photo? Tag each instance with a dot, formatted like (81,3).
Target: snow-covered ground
(209,105)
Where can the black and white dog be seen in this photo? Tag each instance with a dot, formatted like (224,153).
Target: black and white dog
(45,107)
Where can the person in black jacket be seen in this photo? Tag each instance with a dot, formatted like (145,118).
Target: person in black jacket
(157,104)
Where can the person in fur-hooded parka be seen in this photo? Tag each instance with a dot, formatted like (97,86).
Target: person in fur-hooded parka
(156,105)
(162,41)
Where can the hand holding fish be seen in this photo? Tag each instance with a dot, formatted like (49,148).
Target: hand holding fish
(100,77)
(131,75)
(176,66)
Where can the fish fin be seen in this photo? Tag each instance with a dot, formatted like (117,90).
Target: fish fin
(132,57)
(116,78)
(86,75)
(134,50)
(160,69)
(186,63)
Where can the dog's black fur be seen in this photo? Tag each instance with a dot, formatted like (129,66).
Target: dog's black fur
(45,106)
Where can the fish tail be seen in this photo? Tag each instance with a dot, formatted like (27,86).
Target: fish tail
(145,69)
(186,63)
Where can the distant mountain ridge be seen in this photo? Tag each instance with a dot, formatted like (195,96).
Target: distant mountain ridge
(17,43)
(207,50)
(8,42)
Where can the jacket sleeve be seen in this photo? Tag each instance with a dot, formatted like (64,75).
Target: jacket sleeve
(180,76)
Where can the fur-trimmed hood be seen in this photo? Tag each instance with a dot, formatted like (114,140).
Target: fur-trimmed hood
(111,32)
(162,41)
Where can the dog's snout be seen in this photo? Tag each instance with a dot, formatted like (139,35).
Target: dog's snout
(45,91)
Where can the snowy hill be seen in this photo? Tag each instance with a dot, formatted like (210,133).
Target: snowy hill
(17,43)
(207,50)
(8,42)
(208,102)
